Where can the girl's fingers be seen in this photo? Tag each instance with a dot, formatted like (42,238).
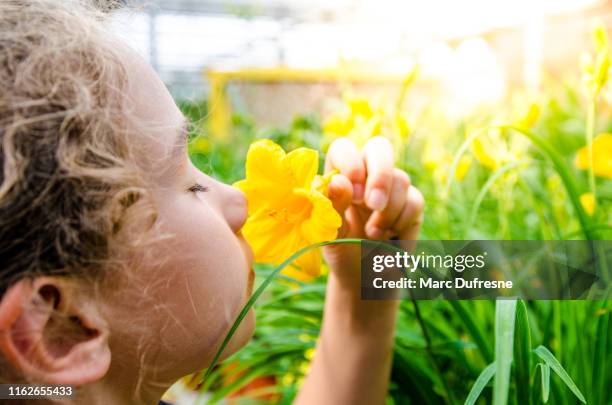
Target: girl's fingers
(381,221)
(344,156)
(379,165)
(409,222)
(340,192)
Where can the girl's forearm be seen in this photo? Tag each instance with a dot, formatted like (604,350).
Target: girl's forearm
(353,356)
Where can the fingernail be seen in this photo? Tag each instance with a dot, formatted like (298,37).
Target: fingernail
(377,200)
(357,192)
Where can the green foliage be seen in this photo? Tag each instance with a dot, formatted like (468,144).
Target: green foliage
(536,196)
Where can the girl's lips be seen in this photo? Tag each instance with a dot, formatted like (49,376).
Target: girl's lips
(248,253)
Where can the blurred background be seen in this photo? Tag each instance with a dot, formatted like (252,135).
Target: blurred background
(292,52)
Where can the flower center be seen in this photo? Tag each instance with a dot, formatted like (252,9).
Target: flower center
(295,210)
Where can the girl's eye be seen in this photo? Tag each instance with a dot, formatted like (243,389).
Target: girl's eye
(198,188)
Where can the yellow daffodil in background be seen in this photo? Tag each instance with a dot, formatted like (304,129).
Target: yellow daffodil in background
(494,150)
(595,68)
(438,161)
(288,206)
(359,119)
(602,156)
(588,203)
(529,117)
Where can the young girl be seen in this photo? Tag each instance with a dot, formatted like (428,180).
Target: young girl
(122,265)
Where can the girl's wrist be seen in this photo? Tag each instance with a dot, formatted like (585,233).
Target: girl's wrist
(372,317)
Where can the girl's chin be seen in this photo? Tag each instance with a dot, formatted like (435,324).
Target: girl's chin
(243,335)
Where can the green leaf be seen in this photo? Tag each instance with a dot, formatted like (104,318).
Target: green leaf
(505,311)
(473,329)
(568,180)
(553,363)
(600,356)
(481,382)
(545,374)
(522,354)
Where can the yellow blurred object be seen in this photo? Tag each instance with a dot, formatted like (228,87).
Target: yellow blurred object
(602,156)
(494,150)
(438,160)
(288,206)
(463,167)
(309,353)
(356,119)
(359,120)
(530,118)
(485,154)
(595,68)
(220,112)
(588,203)
(200,144)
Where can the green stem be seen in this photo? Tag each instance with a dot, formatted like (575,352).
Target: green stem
(428,348)
(566,177)
(485,189)
(590,132)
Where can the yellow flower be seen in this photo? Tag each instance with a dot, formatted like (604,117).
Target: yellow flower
(493,150)
(530,117)
(486,154)
(437,160)
(596,69)
(463,167)
(401,127)
(359,120)
(588,202)
(288,206)
(602,156)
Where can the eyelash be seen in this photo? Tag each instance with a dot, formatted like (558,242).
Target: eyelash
(197,188)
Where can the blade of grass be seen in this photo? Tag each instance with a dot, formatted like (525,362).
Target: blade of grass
(505,314)
(245,310)
(485,189)
(473,330)
(428,348)
(480,383)
(522,354)
(600,356)
(545,375)
(551,153)
(551,361)
(566,177)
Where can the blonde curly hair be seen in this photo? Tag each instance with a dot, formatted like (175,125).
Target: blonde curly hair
(69,179)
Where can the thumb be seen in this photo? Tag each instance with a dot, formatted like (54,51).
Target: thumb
(340,192)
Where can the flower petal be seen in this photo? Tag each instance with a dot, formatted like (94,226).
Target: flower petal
(307,266)
(324,220)
(602,156)
(303,164)
(266,179)
(271,238)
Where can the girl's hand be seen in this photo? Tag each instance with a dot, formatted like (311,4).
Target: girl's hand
(374,198)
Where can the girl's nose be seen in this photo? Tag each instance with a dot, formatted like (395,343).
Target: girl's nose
(235,208)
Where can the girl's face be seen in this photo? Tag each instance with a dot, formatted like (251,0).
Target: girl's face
(183,292)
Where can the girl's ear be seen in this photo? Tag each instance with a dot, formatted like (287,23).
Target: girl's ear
(53,334)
